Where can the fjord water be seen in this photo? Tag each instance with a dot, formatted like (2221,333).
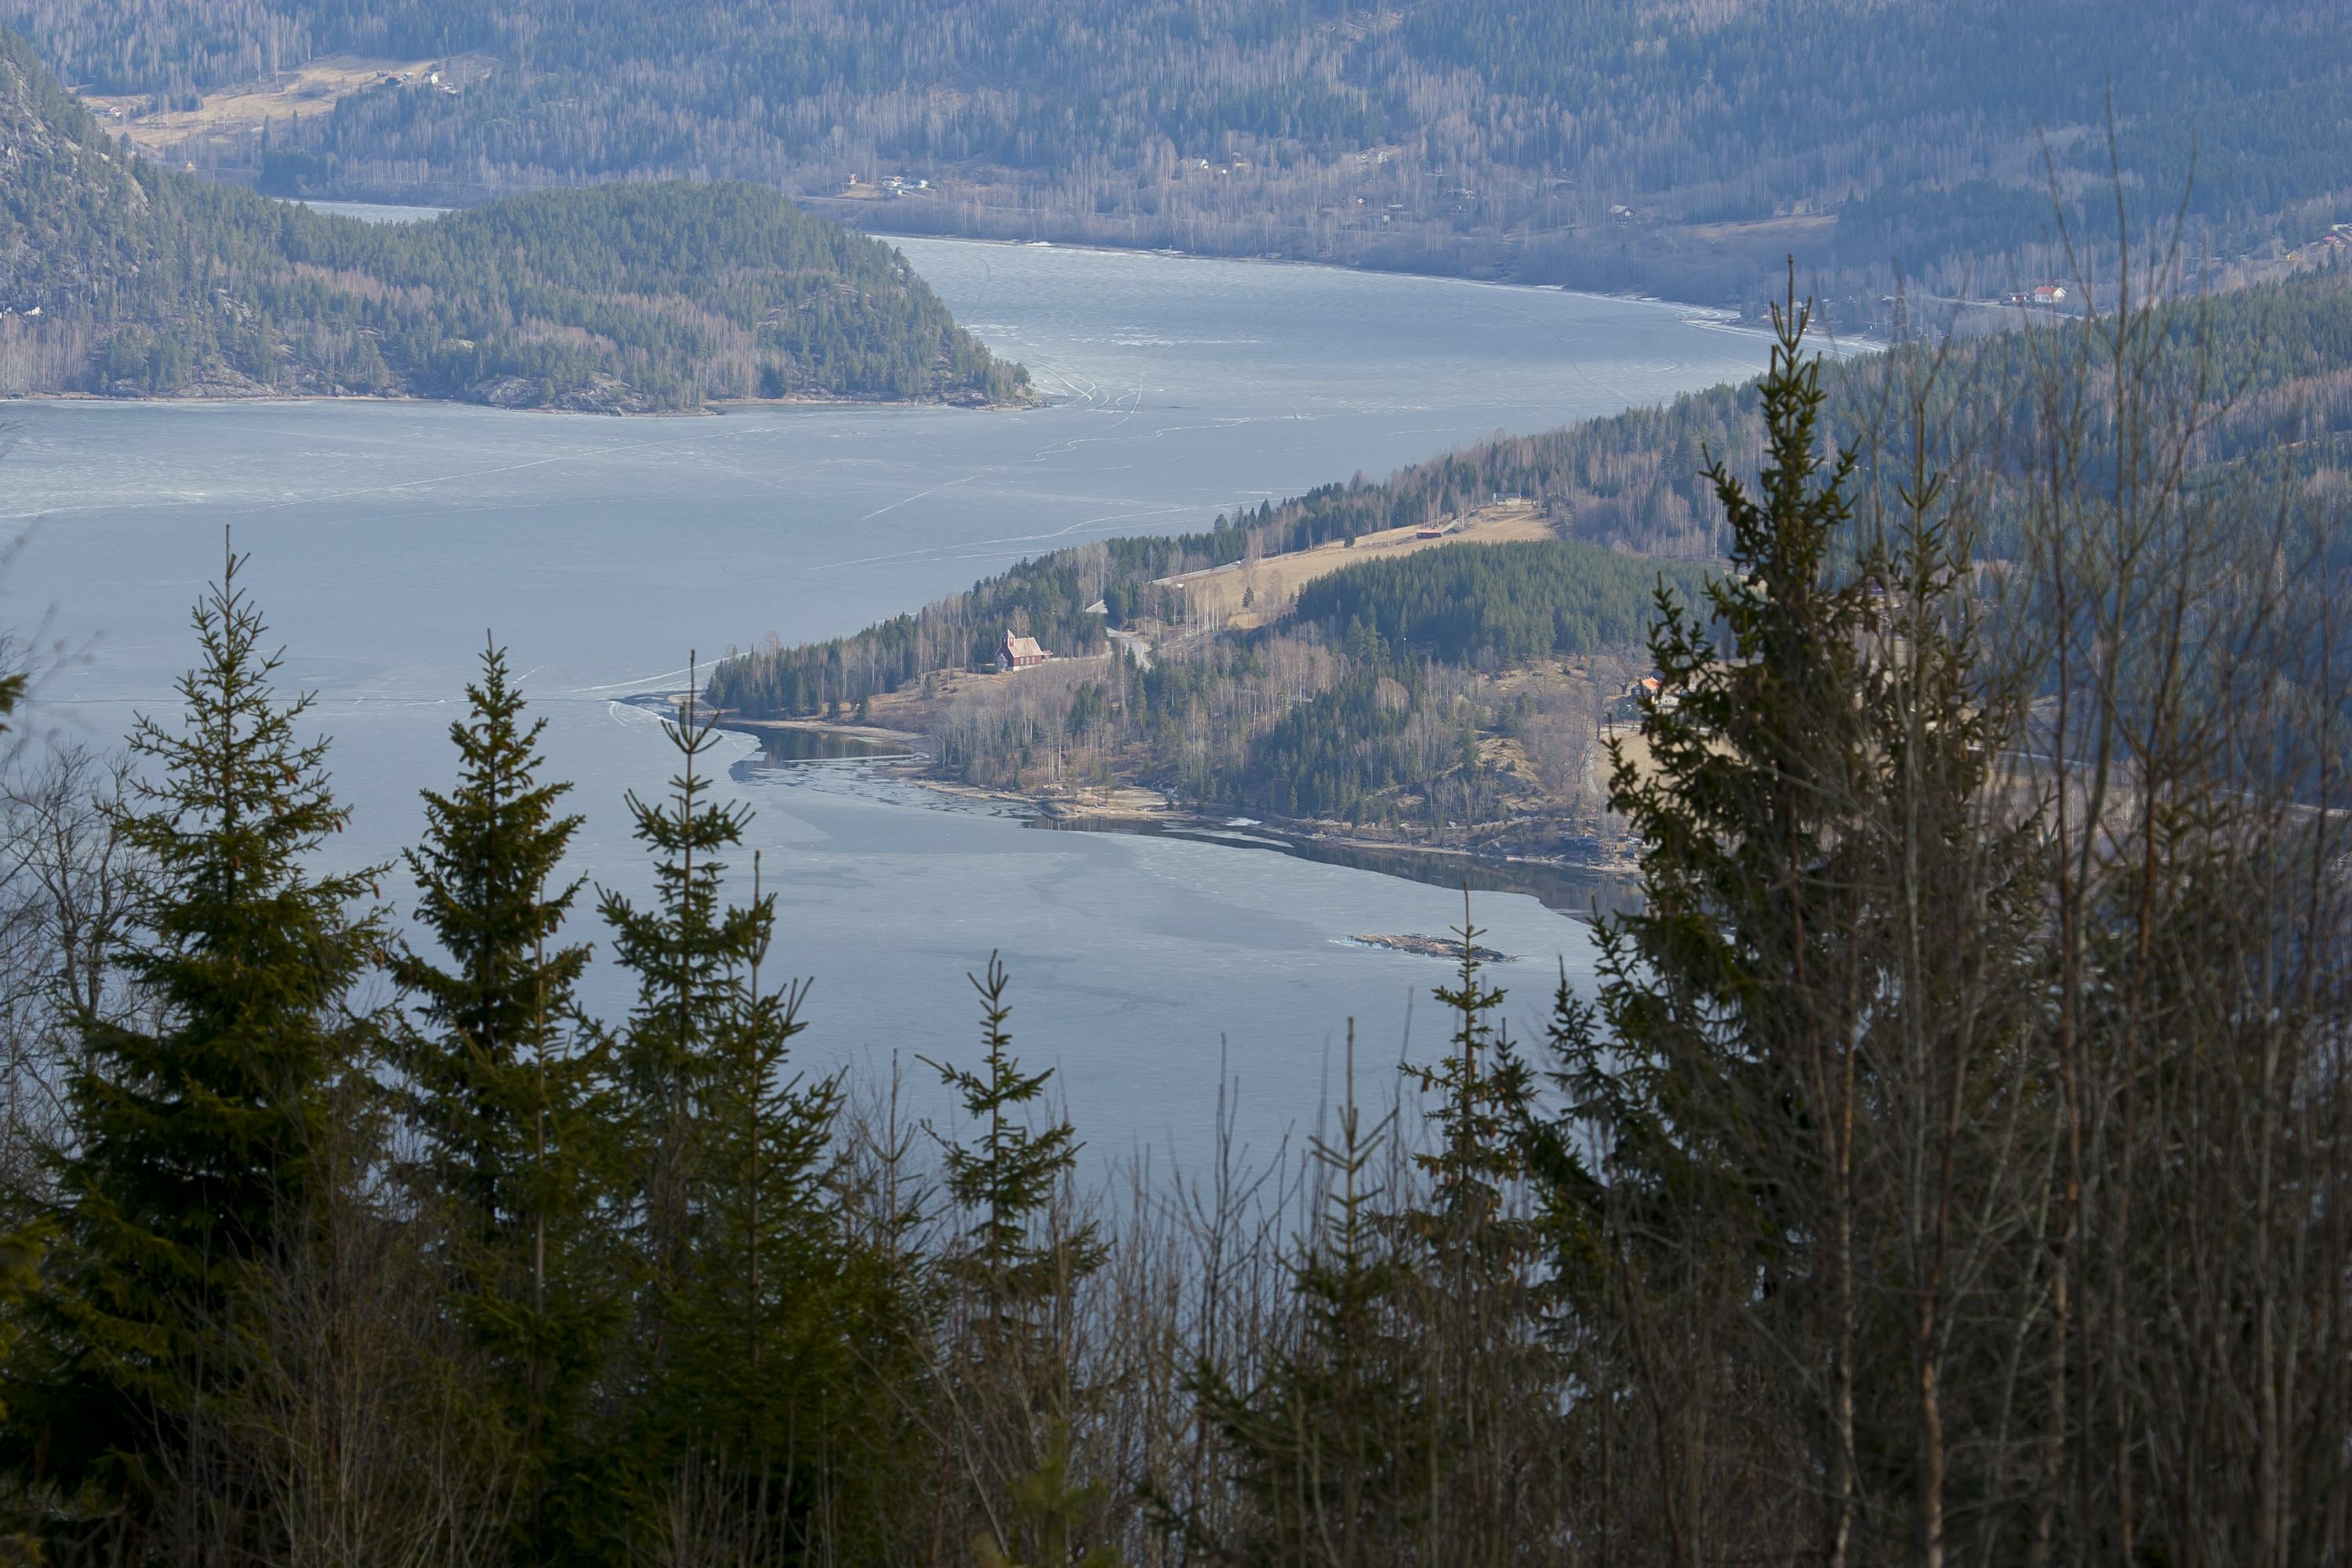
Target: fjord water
(387,537)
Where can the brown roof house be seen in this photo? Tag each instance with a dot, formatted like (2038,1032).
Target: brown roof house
(1020,653)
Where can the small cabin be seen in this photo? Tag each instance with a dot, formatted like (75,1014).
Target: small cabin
(1020,653)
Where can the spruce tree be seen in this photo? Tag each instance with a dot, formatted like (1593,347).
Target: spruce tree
(1733,999)
(194,1153)
(1813,813)
(489,1013)
(750,1303)
(1012,1377)
(688,950)
(1487,1382)
(776,1315)
(1006,1179)
(514,1157)
(1467,1087)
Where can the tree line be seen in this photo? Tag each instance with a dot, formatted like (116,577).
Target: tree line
(623,297)
(1945,1163)
(1493,604)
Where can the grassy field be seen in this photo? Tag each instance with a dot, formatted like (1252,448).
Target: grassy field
(1249,594)
(313,89)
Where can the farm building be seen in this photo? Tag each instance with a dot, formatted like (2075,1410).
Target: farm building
(1020,653)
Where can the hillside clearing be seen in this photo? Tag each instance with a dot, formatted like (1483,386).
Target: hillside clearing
(313,87)
(1248,594)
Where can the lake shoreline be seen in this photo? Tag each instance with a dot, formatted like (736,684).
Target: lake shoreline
(1723,314)
(847,211)
(1140,808)
(714,409)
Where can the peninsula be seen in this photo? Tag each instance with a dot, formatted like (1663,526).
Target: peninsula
(1440,659)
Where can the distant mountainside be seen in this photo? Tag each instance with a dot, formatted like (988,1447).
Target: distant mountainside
(1680,148)
(120,277)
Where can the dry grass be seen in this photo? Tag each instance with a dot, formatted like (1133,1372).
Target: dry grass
(311,89)
(912,708)
(1776,229)
(1271,583)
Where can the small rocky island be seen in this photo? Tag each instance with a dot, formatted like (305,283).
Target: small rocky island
(1432,947)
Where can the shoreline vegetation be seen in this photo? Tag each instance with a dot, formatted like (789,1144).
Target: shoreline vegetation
(122,277)
(1722,315)
(1023,397)
(1595,878)
(1871,319)
(710,408)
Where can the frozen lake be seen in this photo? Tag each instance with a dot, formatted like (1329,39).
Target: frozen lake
(387,537)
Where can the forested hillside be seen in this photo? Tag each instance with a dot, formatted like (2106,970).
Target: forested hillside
(121,277)
(1491,605)
(2278,359)
(1457,692)
(1454,693)
(1681,149)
